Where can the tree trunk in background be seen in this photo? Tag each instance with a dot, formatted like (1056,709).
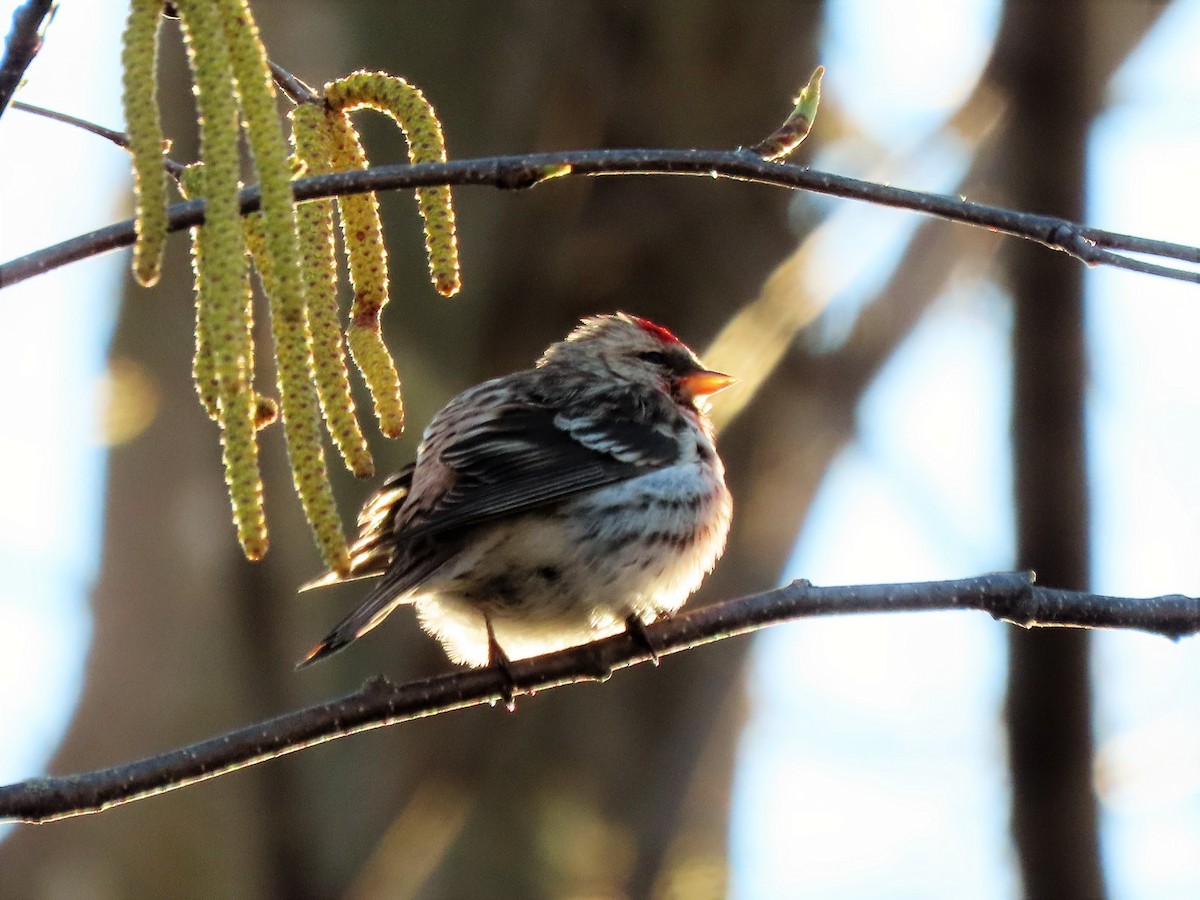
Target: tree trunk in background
(1041,60)
(623,788)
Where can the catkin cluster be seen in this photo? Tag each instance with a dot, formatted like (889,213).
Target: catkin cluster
(290,245)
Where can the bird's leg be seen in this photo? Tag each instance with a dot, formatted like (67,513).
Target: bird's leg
(637,630)
(498,659)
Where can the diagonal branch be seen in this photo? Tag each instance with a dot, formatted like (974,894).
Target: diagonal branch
(1011,597)
(120,138)
(1089,245)
(22,45)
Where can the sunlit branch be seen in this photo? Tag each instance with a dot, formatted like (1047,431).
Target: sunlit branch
(1011,597)
(1090,245)
(294,87)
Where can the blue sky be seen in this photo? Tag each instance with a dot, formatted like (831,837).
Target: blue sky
(58,327)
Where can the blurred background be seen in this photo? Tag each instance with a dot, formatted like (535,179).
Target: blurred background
(920,400)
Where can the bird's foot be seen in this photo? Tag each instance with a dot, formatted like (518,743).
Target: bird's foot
(637,630)
(498,659)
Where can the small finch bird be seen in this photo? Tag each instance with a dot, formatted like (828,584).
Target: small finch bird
(553,506)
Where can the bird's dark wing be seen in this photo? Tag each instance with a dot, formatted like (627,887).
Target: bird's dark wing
(527,456)
(499,460)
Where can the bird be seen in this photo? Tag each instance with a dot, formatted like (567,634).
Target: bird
(552,506)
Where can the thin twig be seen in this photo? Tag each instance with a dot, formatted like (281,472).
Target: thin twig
(22,45)
(1118,241)
(297,90)
(1010,596)
(109,134)
(516,172)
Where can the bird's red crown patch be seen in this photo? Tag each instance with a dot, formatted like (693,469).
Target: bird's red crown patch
(656,330)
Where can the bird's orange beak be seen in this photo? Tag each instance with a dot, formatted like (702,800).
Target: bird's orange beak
(704,384)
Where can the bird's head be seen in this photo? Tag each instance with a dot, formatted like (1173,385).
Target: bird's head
(638,351)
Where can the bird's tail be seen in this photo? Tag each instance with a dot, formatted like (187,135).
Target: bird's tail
(371,553)
(373,610)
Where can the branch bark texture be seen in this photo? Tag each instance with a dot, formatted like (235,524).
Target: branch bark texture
(1092,246)
(1012,597)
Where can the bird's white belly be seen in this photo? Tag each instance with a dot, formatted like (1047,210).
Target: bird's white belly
(575,572)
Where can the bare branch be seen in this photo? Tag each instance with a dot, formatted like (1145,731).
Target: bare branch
(22,45)
(1011,597)
(109,134)
(297,90)
(516,172)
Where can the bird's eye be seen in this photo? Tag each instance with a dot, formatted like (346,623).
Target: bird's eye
(653,357)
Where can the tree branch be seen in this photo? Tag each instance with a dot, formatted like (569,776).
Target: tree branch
(1089,245)
(1011,597)
(22,45)
(109,134)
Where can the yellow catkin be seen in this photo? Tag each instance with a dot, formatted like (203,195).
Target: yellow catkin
(372,357)
(256,242)
(221,266)
(139,59)
(282,281)
(416,118)
(204,370)
(204,374)
(311,136)
(366,257)
(266,410)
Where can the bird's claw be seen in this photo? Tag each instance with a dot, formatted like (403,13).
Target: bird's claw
(637,630)
(498,659)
